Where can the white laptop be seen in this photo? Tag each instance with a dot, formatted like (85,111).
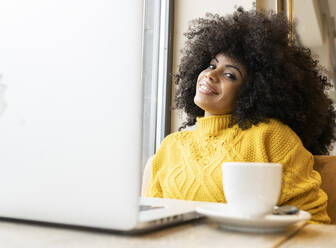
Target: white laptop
(71,115)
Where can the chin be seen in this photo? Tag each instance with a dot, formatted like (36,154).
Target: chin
(203,103)
(199,103)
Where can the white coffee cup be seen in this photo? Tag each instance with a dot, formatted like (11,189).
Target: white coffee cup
(251,189)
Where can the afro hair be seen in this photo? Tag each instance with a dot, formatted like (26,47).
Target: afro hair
(283,81)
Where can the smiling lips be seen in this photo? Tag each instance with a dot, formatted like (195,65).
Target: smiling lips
(206,88)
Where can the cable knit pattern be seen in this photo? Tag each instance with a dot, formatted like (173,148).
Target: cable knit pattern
(188,163)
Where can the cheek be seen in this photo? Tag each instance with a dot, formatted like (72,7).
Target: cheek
(228,93)
(200,76)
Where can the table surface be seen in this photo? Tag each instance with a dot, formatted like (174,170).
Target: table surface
(199,233)
(314,236)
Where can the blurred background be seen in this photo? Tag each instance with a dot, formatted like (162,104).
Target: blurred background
(315,28)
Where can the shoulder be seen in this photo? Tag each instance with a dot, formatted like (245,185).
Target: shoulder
(273,139)
(273,130)
(171,148)
(176,137)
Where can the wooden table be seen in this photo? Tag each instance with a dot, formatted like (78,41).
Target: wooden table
(314,236)
(200,233)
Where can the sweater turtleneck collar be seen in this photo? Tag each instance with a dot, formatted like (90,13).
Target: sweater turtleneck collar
(212,125)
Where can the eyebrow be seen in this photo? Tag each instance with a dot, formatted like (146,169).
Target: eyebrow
(232,66)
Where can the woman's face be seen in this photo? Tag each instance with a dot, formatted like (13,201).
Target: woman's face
(218,85)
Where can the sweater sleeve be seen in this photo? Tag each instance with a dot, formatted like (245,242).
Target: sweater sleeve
(300,182)
(154,188)
(158,166)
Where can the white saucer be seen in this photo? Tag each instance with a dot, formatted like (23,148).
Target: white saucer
(266,224)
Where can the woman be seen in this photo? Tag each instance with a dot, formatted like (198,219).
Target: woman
(254,97)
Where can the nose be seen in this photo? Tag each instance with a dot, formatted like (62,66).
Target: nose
(211,75)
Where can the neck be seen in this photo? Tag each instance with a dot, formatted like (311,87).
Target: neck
(207,114)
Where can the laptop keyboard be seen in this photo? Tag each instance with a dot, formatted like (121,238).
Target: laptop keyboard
(148,207)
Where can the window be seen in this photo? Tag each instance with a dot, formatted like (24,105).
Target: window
(157,67)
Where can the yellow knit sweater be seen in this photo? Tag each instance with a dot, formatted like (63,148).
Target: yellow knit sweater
(188,163)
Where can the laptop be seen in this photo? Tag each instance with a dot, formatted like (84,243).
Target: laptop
(71,116)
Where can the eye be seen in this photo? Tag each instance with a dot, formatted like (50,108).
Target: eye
(229,75)
(212,66)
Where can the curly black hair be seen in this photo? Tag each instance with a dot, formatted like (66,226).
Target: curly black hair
(284,81)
